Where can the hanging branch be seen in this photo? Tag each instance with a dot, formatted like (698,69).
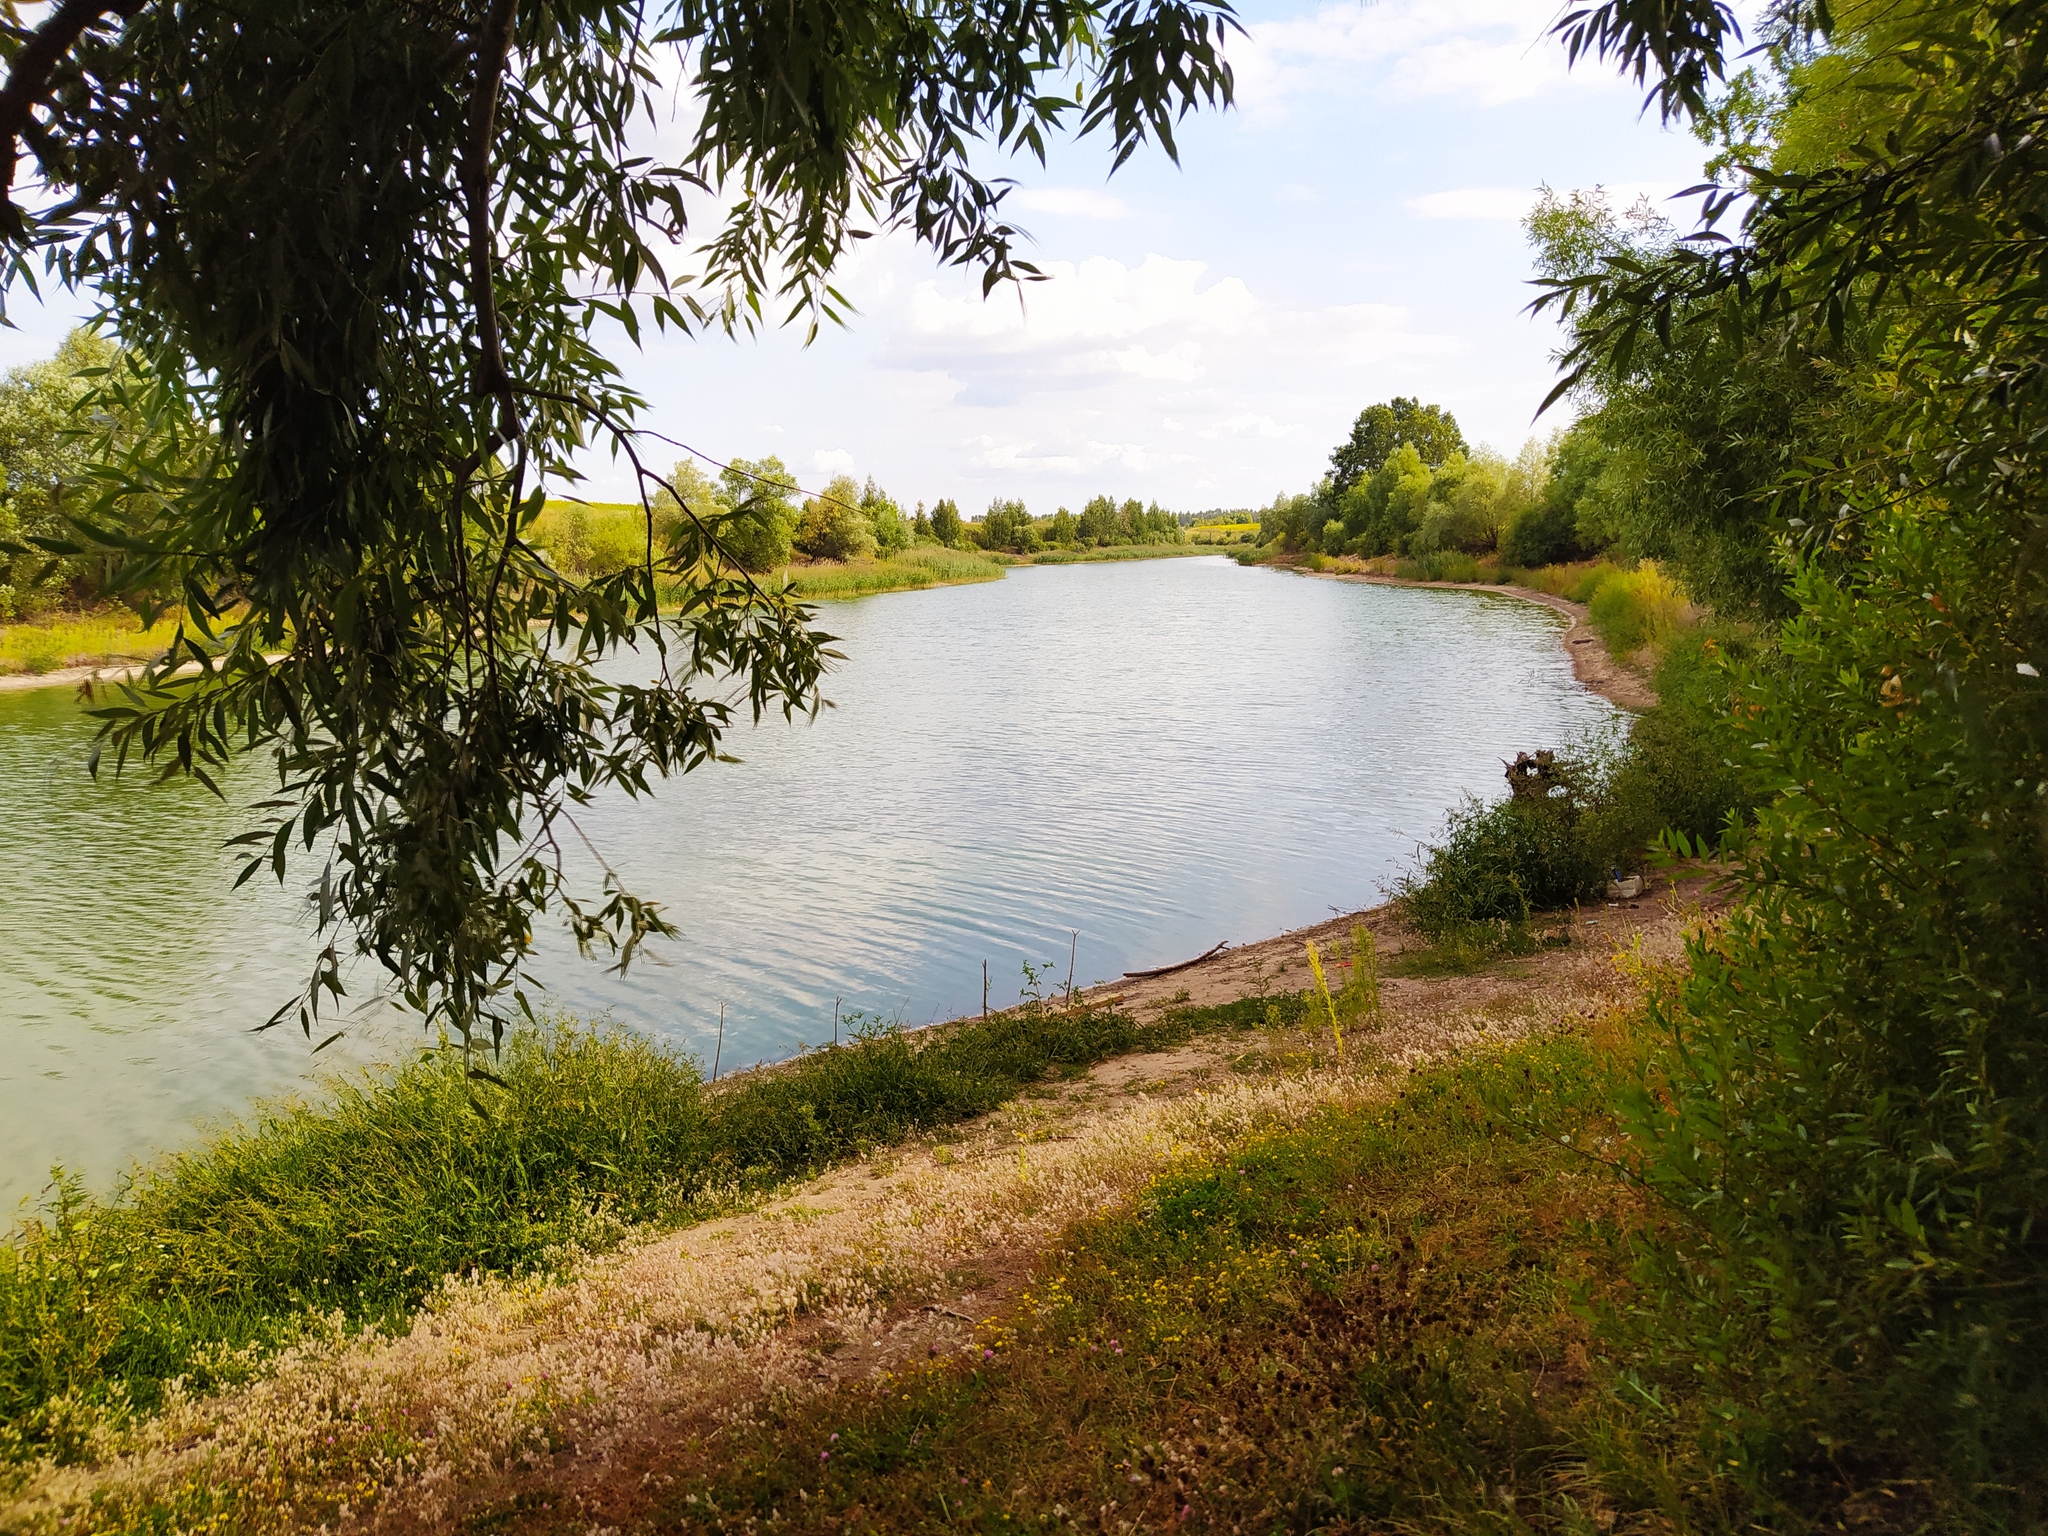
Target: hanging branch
(493,53)
(29,80)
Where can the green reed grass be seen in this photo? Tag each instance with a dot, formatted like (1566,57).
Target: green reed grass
(84,641)
(1632,609)
(1112,552)
(360,1205)
(926,565)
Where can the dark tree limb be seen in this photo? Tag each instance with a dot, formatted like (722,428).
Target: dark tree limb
(29,79)
(493,53)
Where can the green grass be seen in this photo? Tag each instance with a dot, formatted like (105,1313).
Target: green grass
(1577,581)
(362,1203)
(926,565)
(1637,608)
(1378,1320)
(1119,552)
(83,641)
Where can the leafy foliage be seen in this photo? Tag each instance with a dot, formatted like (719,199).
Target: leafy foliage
(1852,1103)
(43,452)
(1400,422)
(357,257)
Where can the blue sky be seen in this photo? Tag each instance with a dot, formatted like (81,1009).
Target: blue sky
(1348,232)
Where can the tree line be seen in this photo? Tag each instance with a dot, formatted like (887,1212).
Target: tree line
(765,518)
(1406,482)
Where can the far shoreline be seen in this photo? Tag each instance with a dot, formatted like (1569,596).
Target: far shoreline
(1596,670)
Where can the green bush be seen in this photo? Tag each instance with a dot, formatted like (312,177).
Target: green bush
(1853,1108)
(1683,768)
(1544,534)
(1498,864)
(1632,609)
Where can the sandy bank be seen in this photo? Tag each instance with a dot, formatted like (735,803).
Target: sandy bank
(69,677)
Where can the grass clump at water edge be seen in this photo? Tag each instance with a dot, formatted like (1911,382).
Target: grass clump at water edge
(358,1207)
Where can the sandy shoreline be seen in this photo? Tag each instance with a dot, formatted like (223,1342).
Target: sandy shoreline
(63,677)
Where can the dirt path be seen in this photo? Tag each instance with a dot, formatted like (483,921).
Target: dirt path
(1592,663)
(507,1395)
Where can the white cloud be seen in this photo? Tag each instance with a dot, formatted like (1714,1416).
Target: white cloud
(1486,52)
(1504,203)
(833,461)
(1512,204)
(1069,203)
(1162,321)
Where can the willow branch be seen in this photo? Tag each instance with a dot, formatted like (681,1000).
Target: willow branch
(29,79)
(493,53)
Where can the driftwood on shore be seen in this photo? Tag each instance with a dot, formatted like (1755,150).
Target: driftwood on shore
(1168,970)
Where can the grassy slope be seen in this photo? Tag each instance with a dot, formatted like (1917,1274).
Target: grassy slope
(1367,1320)
(1376,1320)
(362,1204)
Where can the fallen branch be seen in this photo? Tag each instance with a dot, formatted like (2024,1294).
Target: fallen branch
(1168,970)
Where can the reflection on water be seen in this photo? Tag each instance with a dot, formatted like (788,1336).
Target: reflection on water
(1157,755)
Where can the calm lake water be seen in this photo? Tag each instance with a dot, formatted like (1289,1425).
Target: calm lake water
(1158,755)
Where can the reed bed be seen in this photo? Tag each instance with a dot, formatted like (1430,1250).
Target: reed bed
(89,640)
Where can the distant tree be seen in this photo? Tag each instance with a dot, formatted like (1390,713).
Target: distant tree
(1161,526)
(44,448)
(759,502)
(1064,528)
(892,528)
(832,526)
(1130,522)
(1007,525)
(947,527)
(1293,522)
(700,494)
(1380,512)
(1380,429)
(1098,521)
(921,525)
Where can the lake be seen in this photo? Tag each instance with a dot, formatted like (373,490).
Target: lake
(1154,755)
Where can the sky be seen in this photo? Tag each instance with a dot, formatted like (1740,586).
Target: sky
(1348,232)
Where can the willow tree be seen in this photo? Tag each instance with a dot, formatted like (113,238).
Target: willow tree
(358,256)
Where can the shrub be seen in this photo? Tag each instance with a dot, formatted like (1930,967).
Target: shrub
(1499,863)
(1544,534)
(833,526)
(1637,608)
(589,539)
(1854,1102)
(1683,768)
